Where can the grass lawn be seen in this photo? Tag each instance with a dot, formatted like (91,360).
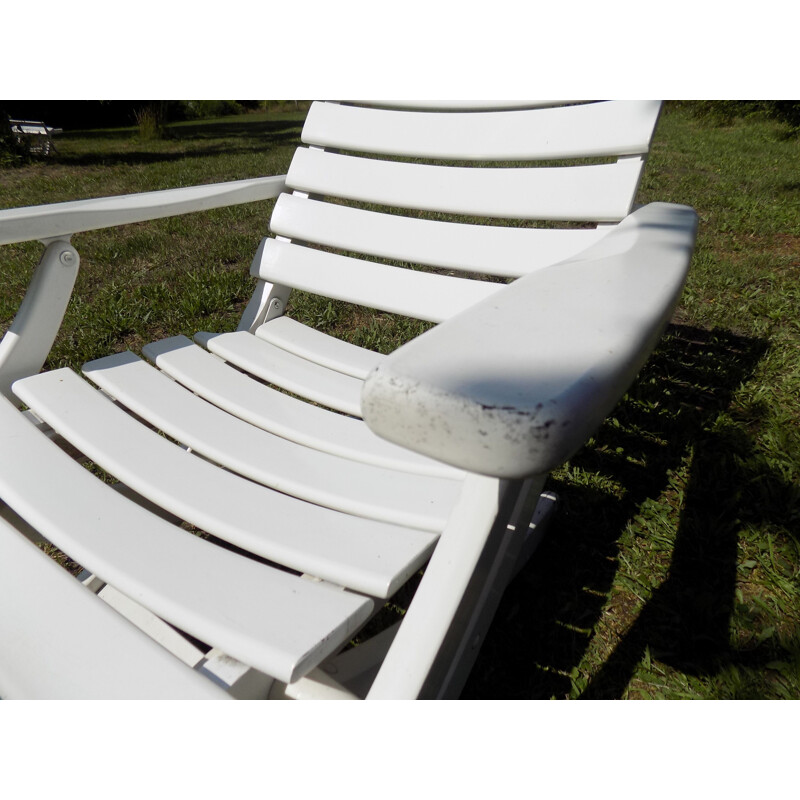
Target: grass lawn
(673,567)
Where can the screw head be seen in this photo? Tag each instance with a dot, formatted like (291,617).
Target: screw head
(67,258)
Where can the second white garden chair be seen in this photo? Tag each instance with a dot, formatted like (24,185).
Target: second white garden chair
(276,486)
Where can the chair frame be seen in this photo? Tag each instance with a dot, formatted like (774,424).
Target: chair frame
(493,528)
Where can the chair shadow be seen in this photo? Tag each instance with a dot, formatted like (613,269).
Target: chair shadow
(544,624)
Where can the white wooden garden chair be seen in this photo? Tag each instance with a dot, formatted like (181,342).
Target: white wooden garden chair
(433,457)
(34,134)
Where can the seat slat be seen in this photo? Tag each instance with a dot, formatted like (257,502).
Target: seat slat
(313,345)
(597,193)
(351,551)
(237,393)
(290,372)
(612,128)
(277,622)
(44,614)
(483,249)
(413,293)
(321,478)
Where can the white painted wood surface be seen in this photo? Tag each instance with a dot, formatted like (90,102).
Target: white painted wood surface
(597,193)
(534,370)
(350,551)
(614,128)
(60,641)
(237,393)
(273,620)
(428,620)
(472,392)
(427,104)
(59,220)
(297,375)
(290,468)
(398,290)
(27,342)
(313,345)
(484,249)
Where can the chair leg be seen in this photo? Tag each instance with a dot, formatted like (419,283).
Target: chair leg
(521,537)
(446,622)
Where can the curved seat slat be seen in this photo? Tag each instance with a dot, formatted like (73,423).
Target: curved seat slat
(275,621)
(596,193)
(484,249)
(240,395)
(45,657)
(350,551)
(313,345)
(613,128)
(290,468)
(281,368)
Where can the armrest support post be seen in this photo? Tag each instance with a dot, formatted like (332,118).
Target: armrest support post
(27,343)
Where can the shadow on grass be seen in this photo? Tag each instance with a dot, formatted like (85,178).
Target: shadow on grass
(222,138)
(545,621)
(267,129)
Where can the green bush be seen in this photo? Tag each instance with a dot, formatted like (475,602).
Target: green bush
(787,111)
(150,122)
(726,112)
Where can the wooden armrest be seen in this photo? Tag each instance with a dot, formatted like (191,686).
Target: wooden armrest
(60,220)
(516,384)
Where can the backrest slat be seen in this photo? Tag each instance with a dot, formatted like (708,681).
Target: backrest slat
(599,192)
(422,295)
(462,105)
(428,185)
(484,249)
(590,130)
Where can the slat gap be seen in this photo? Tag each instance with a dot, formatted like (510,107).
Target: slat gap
(467,219)
(411,266)
(478,164)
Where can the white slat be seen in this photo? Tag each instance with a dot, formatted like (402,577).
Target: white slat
(598,193)
(226,387)
(462,105)
(484,249)
(311,344)
(615,128)
(275,621)
(290,372)
(351,551)
(413,293)
(45,614)
(321,478)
